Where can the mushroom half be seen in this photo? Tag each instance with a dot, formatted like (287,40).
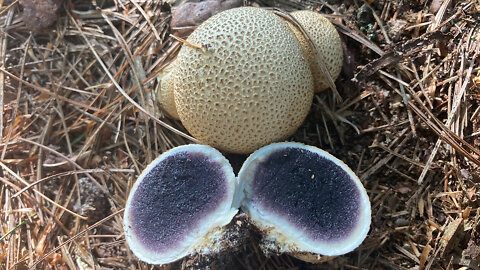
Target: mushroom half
(180,205)
(304,200)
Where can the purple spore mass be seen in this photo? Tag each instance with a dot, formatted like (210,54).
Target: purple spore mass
(174,197)
(311,192)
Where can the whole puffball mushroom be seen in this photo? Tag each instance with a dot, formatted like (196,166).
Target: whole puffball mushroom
(328,42)
(304,200)
(165,96)
(180,205)
(248,86)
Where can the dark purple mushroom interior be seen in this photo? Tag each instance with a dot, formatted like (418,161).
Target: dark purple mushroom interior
(313,193)
(174,197)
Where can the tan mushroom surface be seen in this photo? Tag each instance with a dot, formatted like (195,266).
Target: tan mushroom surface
(165,96)
(328,42)
(250,85)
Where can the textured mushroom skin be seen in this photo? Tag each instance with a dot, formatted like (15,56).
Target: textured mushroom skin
(174,198)
(328,41)
(249,86)
(165,92)
(314,194)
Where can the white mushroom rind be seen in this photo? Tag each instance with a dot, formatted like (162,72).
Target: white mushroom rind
(204,238)
(282,235)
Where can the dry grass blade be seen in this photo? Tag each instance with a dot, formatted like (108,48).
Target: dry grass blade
(403,51)
(449,120)
(125,95)
(186,42)
(46,91)
(2,86)
(50,177)
(73,238)
(38,192)
(67,159)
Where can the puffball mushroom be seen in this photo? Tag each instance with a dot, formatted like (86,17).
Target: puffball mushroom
(304,199)
(328,42)
(165,96)
(179,204)
(249,84)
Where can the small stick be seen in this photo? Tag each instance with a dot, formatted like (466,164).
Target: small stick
(188,43)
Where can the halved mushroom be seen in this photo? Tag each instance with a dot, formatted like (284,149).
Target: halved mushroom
(304,200)
(180,205)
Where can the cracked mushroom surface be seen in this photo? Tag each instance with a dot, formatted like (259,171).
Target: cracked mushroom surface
(305,200)
(249,85)
(180,205)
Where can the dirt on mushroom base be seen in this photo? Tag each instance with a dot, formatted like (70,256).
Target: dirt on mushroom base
(66,103)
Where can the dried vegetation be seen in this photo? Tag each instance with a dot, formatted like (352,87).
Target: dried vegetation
(79,122)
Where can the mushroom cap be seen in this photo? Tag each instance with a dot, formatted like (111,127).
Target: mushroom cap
(249,86)
(304,199)
(179,204)
(165,91)
(328,41)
